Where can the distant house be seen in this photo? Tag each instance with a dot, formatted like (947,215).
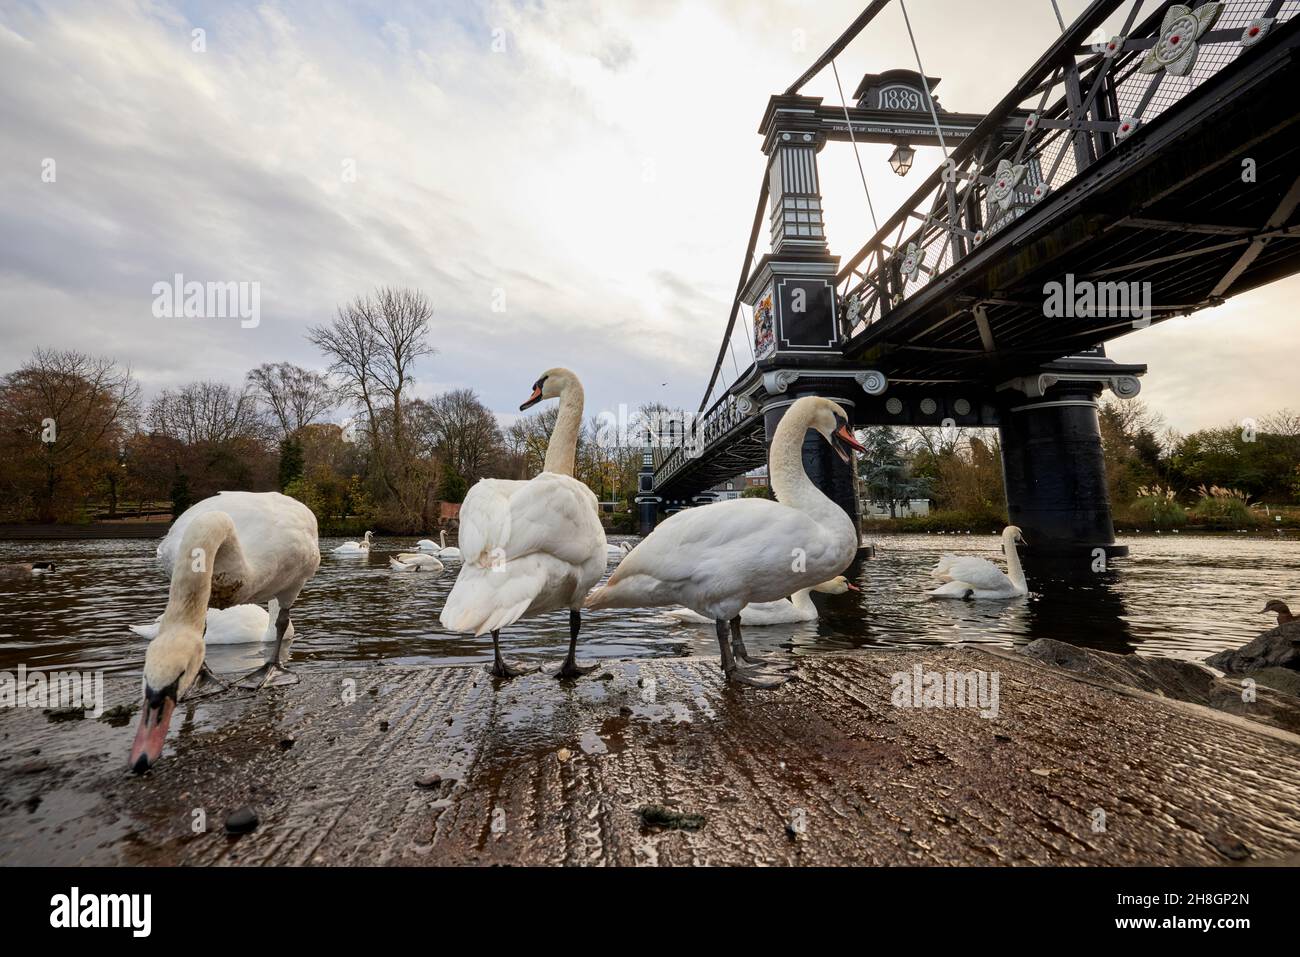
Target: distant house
(735,487)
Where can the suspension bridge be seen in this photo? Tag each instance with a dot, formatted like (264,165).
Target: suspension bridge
(1146,166)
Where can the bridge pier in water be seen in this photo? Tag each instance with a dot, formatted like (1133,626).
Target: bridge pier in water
(1053,466)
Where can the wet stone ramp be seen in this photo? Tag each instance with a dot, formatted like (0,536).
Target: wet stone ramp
(825,770)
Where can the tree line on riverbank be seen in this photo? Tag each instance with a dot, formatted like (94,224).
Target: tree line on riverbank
(1241,475)
(78,441)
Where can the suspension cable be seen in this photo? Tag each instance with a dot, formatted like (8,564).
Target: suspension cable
(856,155)
(925,83)
(1059,19)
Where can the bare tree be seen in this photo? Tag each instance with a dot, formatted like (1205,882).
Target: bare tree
(211,412)
(373,344)
(461,431)
(295,397)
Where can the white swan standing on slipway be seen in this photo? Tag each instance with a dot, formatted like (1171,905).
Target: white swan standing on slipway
(235,548)
(414,562)
(716,559)
(798,607)
(973,577)
(530,546)
(444,551)
(353,548)
(238,625)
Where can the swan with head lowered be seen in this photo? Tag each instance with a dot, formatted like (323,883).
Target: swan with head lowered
(414,562)
(354,548)
(973,577)
(716,559)
(235,548)
(798,607)
(529,547)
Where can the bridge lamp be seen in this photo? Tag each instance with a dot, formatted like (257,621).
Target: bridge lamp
(901,158)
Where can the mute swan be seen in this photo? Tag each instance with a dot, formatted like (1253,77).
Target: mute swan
(531,546)
(619,550)
(234,548)
(425,545)
(414,562)
(1283,612)
(238,625)
(352,548)
(786,611)
(970,574)
(25,569)
(716,559)
(444,551)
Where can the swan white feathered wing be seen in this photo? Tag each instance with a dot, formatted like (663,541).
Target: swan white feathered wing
(974,571)
(527,547)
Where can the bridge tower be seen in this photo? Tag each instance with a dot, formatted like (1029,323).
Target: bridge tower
(792,291)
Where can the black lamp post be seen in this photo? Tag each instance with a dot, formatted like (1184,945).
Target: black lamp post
(901,158)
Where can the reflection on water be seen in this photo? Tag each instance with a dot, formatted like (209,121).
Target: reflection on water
(1183,596)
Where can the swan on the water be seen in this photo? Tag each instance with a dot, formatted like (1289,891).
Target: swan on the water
(235,548)
(785,611)
(716,559)
(237,625)
(414,562)
(446,551)
(530,546)
(352,548)
(972,577)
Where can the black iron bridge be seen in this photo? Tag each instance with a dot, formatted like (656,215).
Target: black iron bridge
(1146,166)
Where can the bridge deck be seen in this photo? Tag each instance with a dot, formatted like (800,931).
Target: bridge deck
(334,783)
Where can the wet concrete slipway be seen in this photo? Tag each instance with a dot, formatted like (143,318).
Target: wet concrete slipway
(657,762)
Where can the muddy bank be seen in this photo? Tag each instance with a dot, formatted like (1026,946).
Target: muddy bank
(656,762)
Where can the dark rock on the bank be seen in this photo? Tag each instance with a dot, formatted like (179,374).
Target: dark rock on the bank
(242,821)
(1172,678)
(1276,648)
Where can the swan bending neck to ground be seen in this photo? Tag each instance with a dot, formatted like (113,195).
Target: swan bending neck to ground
(361,546)
(716,559)
(234,548)
(972,577)
(786,611)
(534,546)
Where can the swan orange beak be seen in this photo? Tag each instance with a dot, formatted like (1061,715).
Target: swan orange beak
(843,442)
(152,731)
(851,587)
(532,399)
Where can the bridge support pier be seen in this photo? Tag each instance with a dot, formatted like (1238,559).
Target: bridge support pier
(836,478)
(1055,474)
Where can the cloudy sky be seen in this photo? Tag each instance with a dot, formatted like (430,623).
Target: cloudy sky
(570,182)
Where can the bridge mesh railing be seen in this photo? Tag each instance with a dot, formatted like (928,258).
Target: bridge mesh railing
(998,175)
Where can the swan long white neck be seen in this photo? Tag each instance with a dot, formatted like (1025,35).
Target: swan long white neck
(802,601)
(563,446)
(1014,571)
(790,483)
(209,535)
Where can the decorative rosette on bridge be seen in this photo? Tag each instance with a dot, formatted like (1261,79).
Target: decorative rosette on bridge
(853,310)
(1255,31)
(1127,127)
(1113,46)
(910,264)
(1005,182)
(1040,190)
(1175,50)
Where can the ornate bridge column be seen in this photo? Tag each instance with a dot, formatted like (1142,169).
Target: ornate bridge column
(647,502)
(1052,456)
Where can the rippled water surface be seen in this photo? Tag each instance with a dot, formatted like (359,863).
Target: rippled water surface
(1177,595)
